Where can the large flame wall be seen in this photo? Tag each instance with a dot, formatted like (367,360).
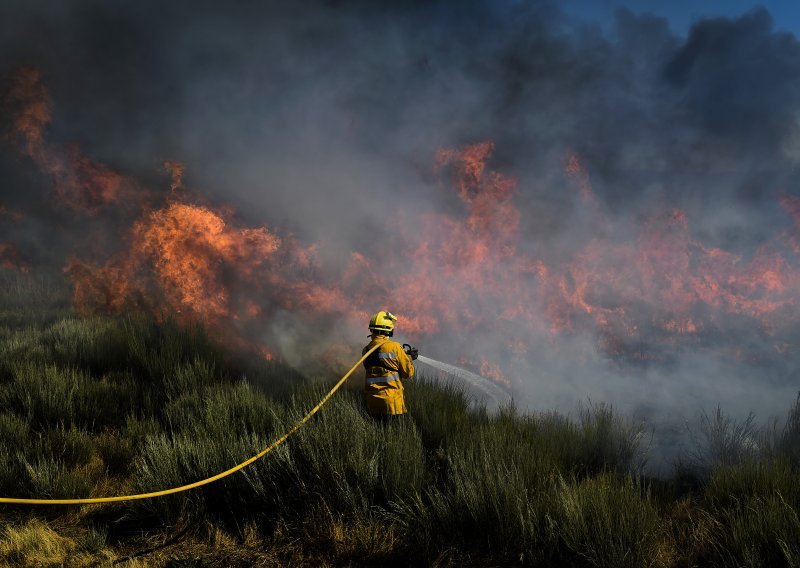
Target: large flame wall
(568,214)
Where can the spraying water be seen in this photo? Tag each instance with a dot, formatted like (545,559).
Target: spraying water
(489,391)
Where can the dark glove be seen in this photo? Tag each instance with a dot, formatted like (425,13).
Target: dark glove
(412,352)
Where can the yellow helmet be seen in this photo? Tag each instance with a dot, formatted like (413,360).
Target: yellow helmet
(383,322)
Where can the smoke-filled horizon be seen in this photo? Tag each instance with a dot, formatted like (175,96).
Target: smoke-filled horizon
(573,214)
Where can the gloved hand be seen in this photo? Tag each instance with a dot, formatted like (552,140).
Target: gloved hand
(412,352)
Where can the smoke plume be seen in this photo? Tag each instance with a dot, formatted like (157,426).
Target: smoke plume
(570,213)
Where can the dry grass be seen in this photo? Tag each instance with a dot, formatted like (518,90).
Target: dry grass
(34,543)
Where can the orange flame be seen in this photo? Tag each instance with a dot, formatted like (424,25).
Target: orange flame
(108,288)
(189,245)
(175,170)
(206,267)
(575,171)
(10,259)
(455,273)
(79,182)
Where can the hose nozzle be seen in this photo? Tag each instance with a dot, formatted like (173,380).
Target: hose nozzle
(412,352)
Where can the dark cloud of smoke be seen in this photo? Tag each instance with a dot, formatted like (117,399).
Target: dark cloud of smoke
(324,117)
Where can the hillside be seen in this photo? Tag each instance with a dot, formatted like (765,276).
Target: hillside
(95,406)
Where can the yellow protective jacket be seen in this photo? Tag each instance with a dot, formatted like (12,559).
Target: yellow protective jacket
(386,367)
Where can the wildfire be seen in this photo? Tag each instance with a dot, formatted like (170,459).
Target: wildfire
(492,371)
(175,170)
(107,288)
(79,183)
(189,246)
(10,258)
(457,273)
(575,171)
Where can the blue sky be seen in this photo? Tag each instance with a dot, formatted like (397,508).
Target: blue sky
(682,13)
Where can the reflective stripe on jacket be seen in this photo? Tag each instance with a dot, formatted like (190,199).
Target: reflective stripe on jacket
(385,369)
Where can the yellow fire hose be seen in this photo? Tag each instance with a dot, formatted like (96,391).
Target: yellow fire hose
(208,480)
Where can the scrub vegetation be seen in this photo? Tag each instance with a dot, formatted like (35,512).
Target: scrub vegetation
(93,406)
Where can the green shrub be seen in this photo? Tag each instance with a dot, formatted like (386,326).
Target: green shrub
(788,444)
(68,446)
(48,395)
(486,506)
(94,540)
(160,405)
(11,471)
(33,298)
(14,430)
(272,378)
(20,346)
(726,441)
(439,411)
(341,458)
(350,458)
(754,532)
(190,377)
(207,433)
(762,478)
(116,451)
(607,521)
(156,351)
(608,441)
(222,410)
(97,345)
(138,429)
(46,478)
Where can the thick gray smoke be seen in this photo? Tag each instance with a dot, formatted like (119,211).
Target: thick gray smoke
(324,117)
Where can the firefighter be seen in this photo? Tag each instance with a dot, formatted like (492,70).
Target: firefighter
(386,368)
